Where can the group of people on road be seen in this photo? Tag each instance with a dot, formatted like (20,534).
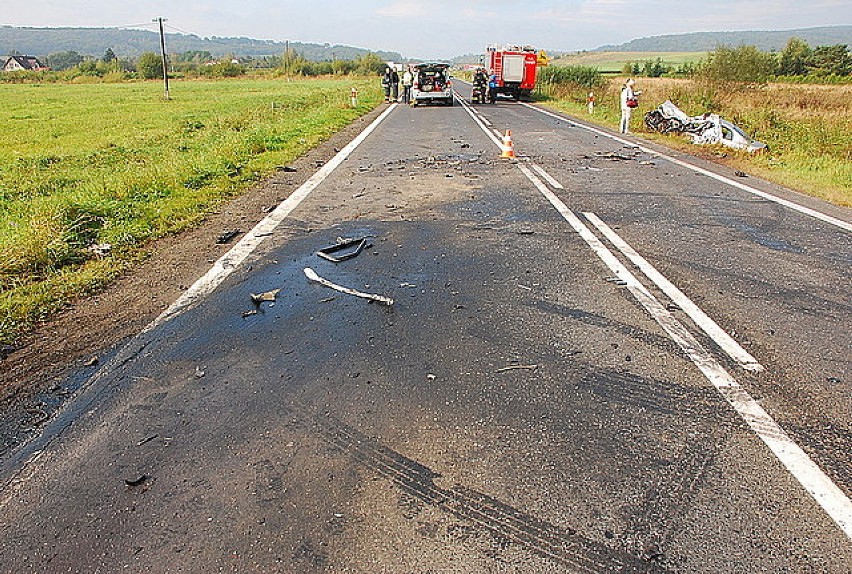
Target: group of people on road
(481,81)
(391,81)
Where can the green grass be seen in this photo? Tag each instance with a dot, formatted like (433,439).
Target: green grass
(613,62)
(115,163)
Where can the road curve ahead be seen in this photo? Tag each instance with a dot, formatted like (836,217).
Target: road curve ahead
(599,357)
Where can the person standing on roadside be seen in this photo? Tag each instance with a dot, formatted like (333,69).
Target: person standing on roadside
(407,82)
(394,84)
(386,83)
(629,100)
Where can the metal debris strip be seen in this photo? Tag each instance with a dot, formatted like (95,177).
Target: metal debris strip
(137,481)
(312,275)
(147,439)
(343,244)
(614,155)
(517,367)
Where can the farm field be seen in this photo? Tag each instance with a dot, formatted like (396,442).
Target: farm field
(89,166)
(806,127)
(613,62)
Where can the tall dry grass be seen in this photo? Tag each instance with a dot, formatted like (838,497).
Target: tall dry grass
(808,127)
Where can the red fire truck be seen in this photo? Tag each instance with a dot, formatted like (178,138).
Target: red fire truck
(514,68)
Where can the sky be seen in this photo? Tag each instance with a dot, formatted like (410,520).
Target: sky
(433,29)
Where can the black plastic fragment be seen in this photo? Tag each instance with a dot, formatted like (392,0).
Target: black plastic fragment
(359,245)
(226,236)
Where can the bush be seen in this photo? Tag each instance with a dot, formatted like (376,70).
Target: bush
(149,66)
(570,76)
(744,64)
(223,70)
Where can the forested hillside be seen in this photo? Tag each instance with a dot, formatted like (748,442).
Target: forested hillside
(763,40)
(131,43)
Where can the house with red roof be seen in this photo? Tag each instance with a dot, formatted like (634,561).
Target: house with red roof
(22,63)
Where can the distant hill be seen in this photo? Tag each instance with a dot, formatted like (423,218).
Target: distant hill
(131,43)
(707,41)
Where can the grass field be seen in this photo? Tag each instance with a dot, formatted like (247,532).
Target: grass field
(115,164)
(807,127)
(613,62)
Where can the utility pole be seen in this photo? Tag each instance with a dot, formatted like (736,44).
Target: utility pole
(163,49)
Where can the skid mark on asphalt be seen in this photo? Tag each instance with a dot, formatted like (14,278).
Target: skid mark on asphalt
(561,546)
(667,503)
(831,446)
(651,394)
(664,344)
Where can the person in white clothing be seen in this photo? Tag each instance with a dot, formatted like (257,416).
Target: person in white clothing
(407,82)
(628,102)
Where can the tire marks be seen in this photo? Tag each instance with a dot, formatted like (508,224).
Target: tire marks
(561,546)
(653,527)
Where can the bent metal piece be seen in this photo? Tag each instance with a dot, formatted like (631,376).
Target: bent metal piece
(312,275)
(326,252)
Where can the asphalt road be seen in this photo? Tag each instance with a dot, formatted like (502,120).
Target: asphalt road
(531,402)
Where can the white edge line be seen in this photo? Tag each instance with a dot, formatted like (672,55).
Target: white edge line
(228,263)
(721,178)
(549,178)
(827,494)
(708,325)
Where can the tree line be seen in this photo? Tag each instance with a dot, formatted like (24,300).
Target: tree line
(797,61)
(69,65)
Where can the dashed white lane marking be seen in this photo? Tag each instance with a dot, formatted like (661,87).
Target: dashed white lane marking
(228,263)
(708,325)
(721,178)
(547,177)
(827,494)
(482,126)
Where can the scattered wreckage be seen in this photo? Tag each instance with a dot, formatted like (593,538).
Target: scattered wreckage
(704,129)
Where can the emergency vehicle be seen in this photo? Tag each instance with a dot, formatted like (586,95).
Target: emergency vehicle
(512,70)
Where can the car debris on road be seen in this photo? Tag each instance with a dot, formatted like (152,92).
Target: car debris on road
(312,275)
(226,236)
(258,298)
(342,244)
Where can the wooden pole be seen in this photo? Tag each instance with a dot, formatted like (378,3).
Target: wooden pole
(165,63)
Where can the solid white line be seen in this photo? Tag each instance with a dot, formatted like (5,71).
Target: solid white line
(781,201)
(228,263)
(708,325)
(827,494)
(549,178)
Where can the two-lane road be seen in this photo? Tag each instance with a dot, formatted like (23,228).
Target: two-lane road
(598,359)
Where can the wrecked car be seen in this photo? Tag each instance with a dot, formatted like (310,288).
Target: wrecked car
(704,129)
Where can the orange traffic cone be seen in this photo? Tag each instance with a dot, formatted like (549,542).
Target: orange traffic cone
(508,146)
